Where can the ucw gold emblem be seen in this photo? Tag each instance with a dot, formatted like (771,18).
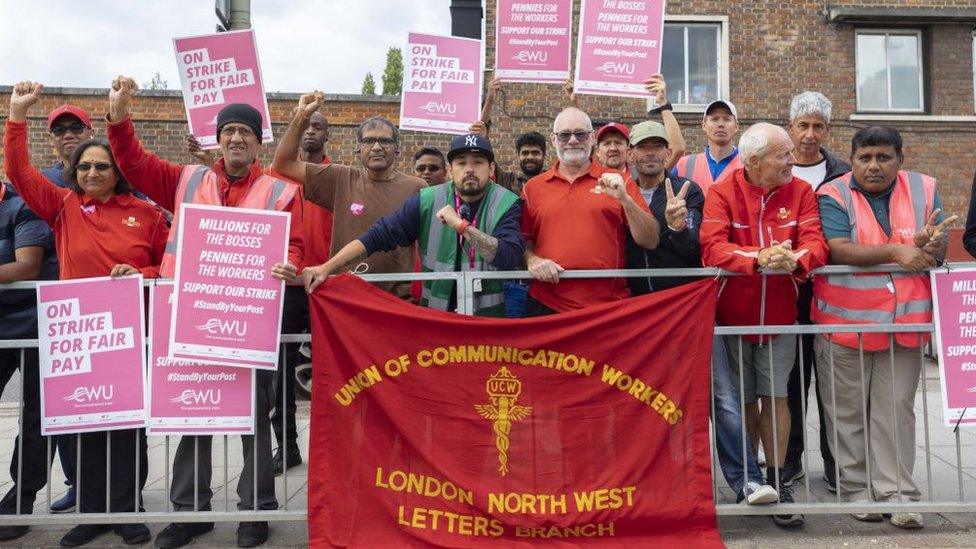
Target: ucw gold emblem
(503,390)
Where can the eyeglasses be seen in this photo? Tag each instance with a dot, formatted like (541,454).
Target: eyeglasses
(368,142)
(243,131)
(580,135)
(76,129)
(421,168)
(87,166)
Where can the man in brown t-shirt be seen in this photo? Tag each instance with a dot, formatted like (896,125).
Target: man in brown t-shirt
(357,197)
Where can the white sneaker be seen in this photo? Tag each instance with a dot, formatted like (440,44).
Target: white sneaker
(757,494)
(908,521)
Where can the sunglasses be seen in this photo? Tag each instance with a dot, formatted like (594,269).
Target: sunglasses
(76,129)
(580,135)
(87,166)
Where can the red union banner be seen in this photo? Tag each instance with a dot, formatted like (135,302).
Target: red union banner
(430,428)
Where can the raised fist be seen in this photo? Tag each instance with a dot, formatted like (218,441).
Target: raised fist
(120,96)
(24,95)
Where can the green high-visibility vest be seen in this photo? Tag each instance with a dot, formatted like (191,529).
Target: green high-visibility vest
(439,246)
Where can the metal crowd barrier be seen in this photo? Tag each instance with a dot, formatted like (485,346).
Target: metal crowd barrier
(809,501)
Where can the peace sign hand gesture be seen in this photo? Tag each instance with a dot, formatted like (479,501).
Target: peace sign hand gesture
(932,236)
(676,210)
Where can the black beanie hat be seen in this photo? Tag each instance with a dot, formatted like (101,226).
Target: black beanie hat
(242,113)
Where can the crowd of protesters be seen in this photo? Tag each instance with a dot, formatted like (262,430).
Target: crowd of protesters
(772,205)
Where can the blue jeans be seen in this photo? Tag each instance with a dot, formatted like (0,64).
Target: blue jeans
(515,295)
(728,422)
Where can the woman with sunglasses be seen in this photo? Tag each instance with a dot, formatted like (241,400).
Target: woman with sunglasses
(99,230)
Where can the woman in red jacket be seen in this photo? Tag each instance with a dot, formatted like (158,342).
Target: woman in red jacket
(99,229)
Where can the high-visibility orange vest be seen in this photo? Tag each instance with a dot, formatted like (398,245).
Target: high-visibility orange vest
(875,298)
(695,167)
(200,185)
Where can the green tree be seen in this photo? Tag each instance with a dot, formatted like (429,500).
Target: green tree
(369,85)
(393,73)
(157,83)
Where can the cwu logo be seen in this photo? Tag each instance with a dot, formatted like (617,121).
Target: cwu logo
(190,397)
(216,326)
(611,67)
(434,107)
(91,394)
(525,56)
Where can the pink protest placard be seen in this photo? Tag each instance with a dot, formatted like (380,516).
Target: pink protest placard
(441,83)
(954,299)
(193,399)
(228,306)
(532,40)
(215,71)
(619,46)
(92,356)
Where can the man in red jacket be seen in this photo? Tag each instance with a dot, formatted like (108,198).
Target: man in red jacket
(763,222)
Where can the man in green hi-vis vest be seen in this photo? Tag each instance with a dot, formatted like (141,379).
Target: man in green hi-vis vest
(467,224)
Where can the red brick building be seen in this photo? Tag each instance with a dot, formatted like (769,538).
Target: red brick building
(908,64)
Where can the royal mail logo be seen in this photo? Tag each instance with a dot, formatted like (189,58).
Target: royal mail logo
(783,213)
(503,390)
(435,107)
(526,56)
(190,397)
(612,67)
(91,394)
(215,326)
(131,222)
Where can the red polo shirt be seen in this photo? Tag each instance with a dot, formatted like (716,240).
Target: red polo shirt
(90,236)
(578,228)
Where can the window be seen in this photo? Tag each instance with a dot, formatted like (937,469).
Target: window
(889,71)
(694,59)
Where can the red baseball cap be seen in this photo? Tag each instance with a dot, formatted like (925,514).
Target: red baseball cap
(66,109)
(613,127)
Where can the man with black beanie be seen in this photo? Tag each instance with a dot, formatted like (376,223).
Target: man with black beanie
(236,180)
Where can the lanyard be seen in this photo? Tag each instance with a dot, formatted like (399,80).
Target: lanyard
(474,223)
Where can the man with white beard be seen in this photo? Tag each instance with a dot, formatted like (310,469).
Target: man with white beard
(577,215)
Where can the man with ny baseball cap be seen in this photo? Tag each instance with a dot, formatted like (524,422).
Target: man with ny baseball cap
(468,223)
(236,180)
(720,157)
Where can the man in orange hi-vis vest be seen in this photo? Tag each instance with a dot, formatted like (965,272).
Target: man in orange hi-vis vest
(720,157)
(236,180)
(873,215)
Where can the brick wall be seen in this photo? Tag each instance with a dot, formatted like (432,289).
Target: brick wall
(776,50)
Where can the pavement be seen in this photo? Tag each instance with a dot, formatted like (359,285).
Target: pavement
(820,531)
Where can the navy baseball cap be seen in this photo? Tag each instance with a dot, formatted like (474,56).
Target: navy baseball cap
(472,142)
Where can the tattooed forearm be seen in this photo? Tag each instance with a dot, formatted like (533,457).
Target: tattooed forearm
(485,244)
